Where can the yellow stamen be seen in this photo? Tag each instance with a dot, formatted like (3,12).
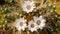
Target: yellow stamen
(32,25)
(28,7)
(21,23)
(38,22)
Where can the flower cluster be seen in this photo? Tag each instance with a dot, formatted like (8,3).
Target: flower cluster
(33,25)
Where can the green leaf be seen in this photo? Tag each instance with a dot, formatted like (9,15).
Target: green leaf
(19,11)
(6,11)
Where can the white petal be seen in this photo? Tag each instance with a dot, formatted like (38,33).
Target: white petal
(23,29)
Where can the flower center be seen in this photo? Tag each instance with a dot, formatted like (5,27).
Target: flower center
(32,25)
(28,7)
(21,23)
(38,22)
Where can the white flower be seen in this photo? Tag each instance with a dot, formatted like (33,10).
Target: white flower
(28,6)
(21,24)
(32,26)
(40,21)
